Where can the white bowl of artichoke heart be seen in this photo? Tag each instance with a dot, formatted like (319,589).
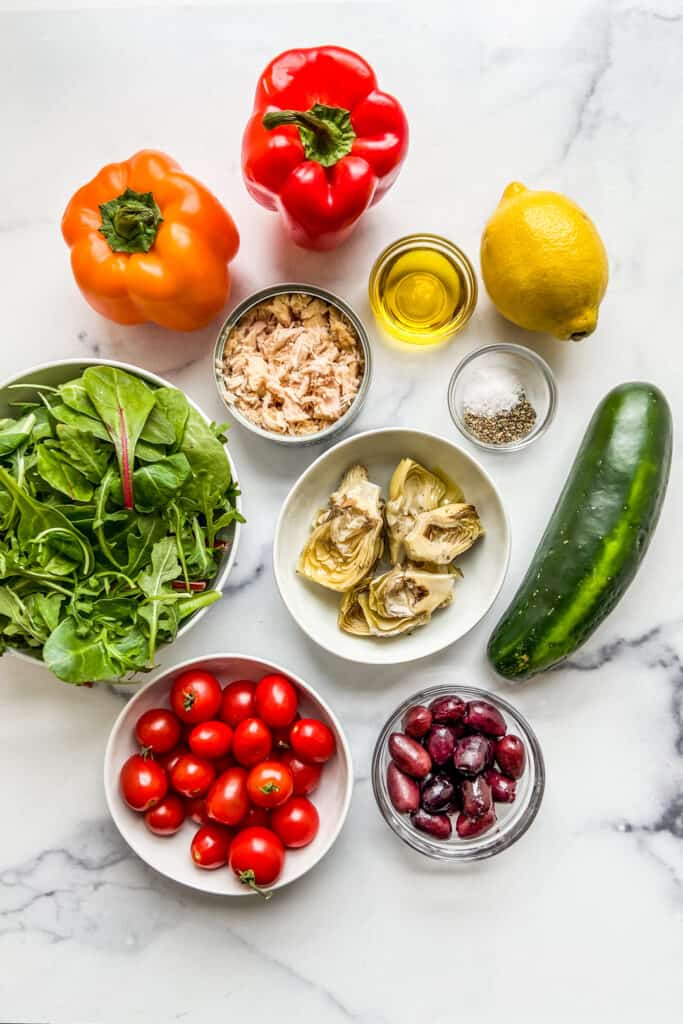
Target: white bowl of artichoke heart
(391,546)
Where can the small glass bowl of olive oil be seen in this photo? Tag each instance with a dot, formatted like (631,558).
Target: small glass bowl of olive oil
(422,289)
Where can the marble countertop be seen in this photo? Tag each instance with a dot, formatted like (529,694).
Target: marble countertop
(581,920)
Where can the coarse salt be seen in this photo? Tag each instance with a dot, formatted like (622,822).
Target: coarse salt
(492,390)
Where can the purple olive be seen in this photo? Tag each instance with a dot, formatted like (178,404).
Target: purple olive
(437,825)
(438,792)
(476,797)
(483,717)
(503,789)
(404,792)
(466,827)
(417,721)
(511,756)
(409,756)
(471,754)
(447,710)
(440,742)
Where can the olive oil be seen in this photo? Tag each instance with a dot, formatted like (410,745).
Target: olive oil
(422,289)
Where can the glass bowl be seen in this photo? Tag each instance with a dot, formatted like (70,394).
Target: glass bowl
(513,819)
(533,373)
(423,334)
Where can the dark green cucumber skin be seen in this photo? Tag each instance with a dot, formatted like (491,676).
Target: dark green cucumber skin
(597,535)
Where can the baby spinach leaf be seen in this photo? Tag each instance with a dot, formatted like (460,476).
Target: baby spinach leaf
(88,455)
(63,414)
(149,452)
(123,403)
(175,407)
(157,429)
(140,539)
(210,468)
(61,476)
(155,484)
(74,394)
(77,656)
(15,432)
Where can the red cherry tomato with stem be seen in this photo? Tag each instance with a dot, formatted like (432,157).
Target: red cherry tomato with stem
(209,847)
(257,857)
(143,782)
(270,784)
(276,701)
(191,776)
(210,739)
(296,822)
(157,730)
(227,801)
(196,696)
(312,740)
(251,742)
(306,777)
(238,702)
(166,817)
(281,736)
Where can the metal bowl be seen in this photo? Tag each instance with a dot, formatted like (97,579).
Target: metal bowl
(62,370)
(319,293)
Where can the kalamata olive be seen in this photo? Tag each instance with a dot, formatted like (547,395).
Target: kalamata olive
(417,721)
(471,753)
(466,827)
(404,792)
(447,709)
(437,792)
(409,756)
(483,717)
(440,742)
(511,756)
(476,797)
(437,825)
(503,789)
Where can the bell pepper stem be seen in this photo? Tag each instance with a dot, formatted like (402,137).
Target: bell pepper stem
(326,133)
(130,222)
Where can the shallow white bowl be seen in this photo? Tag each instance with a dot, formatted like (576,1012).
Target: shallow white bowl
(62,370)
(170,855)
(484,566)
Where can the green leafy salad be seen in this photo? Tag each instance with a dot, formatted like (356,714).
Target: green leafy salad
(113,500)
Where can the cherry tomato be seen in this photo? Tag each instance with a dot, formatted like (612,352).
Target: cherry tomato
(157,730)
(276,701)
(296,822)
(168,761)
(209,847)
(196,809)
(238,702)
(210,739)
(227,801)
(221,764)
(306,776)
(281,736)
(143,782)
(257,857)
(312,740)
(255,816)
(196,696)
(252,741)
(166,817)
(270,784)
(192,776)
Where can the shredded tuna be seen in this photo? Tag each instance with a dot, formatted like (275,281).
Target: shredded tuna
(292,365)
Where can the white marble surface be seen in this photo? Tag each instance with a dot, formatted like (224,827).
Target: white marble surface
(582,919)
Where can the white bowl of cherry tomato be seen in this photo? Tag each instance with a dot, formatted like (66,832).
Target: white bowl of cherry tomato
(228,774)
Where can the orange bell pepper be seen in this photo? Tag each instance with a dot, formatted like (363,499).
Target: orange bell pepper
(148,242)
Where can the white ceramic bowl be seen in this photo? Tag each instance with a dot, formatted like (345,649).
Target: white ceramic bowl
(170,855)
(484,566)
(62,370)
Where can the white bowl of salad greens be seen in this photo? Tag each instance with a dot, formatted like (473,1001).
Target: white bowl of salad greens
(119,517)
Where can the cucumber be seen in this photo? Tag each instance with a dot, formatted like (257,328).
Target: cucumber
(597,535)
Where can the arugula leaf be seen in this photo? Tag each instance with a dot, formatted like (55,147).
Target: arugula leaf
(164,568)
(61,476)
(123,403)
(15,432)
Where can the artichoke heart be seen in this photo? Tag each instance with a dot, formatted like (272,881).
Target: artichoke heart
(441,534)
(347,535)
(396,602)
(413,489)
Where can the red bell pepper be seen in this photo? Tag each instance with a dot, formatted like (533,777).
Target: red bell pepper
(323,143)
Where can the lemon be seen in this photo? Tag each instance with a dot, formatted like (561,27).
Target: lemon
(544,263)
